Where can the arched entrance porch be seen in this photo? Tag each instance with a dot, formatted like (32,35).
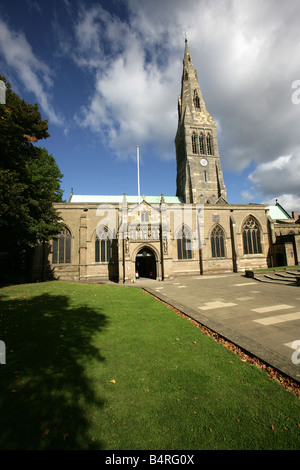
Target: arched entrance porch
(145,263)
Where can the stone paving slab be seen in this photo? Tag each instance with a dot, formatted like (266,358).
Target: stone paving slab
(261,318)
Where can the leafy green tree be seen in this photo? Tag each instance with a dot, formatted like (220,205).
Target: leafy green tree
(29,181)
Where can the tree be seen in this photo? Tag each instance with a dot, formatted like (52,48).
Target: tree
(29,181)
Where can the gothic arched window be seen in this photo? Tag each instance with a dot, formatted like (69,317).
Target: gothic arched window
(196,100)
(201,144)
(144,216)
(209,144)
(184,238)
(217,243)
(102,245)
(251,237)
(194,143)
(61,248)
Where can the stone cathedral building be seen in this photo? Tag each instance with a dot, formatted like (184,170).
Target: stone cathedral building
(195,232)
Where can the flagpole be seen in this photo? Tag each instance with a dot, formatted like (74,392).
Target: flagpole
(138,171)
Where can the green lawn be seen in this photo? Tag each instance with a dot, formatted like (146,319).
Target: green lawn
(110,367)
(278,268)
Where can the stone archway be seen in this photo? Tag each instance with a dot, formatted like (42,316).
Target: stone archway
(145,263)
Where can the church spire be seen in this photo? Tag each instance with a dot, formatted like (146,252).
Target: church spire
(187,59)
(199,173)
(186,52)
(191,99)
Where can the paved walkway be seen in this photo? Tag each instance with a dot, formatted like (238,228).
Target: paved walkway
(263,319)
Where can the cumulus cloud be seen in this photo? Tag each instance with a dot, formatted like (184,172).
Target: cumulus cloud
(289,202)
(244,54)
(131,105)
(279,179)
(133,100)
(34,74)
(278,175)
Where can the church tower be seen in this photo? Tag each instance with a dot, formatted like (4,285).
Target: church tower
(199,172)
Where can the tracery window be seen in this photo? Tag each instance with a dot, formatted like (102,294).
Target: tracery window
(184,238)
(194,143)
(196,100)
(61,248)
(217,243)
(201,144)
(251,237)
(102,246)
(209,145)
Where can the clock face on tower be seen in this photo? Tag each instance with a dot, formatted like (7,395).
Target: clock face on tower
(203,162)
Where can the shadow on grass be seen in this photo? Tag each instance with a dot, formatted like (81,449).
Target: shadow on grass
(46,397)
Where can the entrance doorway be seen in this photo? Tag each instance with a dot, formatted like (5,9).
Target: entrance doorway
(145,263)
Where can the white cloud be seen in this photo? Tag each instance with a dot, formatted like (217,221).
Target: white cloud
(279,176)
(247,195)
(34,74)
(289,202)
(279,179)
(246,64)
(133,101)
(246,57)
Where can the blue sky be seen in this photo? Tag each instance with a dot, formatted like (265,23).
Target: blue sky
(107,74)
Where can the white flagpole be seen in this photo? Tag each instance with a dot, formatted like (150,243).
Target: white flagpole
(138,171)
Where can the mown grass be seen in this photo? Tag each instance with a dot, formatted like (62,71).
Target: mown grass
(278,268)
(109,367)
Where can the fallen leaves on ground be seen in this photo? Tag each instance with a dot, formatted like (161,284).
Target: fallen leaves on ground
(273,374)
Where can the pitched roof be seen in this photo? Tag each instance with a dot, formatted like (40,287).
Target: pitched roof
(79,199)
(278,212)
